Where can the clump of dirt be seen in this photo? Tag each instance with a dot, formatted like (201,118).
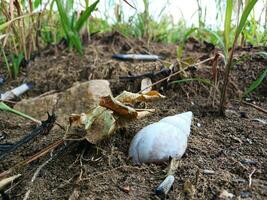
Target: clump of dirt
(233,148)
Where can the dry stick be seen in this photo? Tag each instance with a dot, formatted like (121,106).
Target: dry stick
(36,173)
(32,158)
(8,101)
(171,75)
(250,177)
(255,106)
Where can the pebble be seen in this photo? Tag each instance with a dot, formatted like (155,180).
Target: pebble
(248,161)
(2,80)
(245,194)
(208,172)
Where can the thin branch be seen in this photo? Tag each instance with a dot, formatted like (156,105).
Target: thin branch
(176,73)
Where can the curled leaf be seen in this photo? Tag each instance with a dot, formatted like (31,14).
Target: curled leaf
(93,126)
(118,107)
(102,121)
(133,98)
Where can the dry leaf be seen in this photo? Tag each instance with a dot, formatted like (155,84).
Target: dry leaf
(93,126)
(118,107)
(102,121)
(133,98)
(5,182)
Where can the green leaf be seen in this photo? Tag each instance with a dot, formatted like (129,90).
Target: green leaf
(37,3)
(244,16)
(6,108)
(205,81)
(16,61)
(76,41)
(227,23)
(189,32)
(256,83)
(65,22)
(84,16)
(262,54)
(219,40)
(69,5)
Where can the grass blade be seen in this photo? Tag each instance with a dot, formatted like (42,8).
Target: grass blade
(63,17)
(201,80)
(256,83)
(219,41)
(84,16)
(227,23)
(6,108)
(244,16)
(76,41)
(262,54)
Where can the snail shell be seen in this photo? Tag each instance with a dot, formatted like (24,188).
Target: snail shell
(159,141)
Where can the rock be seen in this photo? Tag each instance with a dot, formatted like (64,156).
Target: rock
(245,194)
(80,98)
(208,172)
(226,195)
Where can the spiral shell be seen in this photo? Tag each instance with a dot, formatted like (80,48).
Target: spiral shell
(159,141)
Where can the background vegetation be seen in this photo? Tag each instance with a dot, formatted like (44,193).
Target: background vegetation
(27,26)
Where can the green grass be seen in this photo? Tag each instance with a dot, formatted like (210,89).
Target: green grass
(50,27)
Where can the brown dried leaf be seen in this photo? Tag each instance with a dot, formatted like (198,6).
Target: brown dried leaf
(118,107)
(102,121)
(94,126)
(133,98)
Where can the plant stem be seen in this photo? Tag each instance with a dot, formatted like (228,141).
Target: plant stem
(226,77)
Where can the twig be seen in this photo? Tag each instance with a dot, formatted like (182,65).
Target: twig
(250,177)
(45,127)
(255,106)
(8,101)
(176,73)
(32,158)
(36,173)
(164,71)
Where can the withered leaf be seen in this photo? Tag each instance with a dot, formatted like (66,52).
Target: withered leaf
(118,107)
(133,98)
(102,121)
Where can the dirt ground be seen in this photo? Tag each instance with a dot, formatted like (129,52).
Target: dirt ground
(233,147)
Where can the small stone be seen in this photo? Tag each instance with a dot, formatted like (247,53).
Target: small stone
(125,189)
(2,80)
(231,113)
(249,141)
(198,125)
(245,194)
(243,114)
(248,161)
(208,172)
(226,195)
(79,98)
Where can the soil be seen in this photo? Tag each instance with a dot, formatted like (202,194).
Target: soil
(233,147)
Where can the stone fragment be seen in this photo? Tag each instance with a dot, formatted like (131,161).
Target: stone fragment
(78,99)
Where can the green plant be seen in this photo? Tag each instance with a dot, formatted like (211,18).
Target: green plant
(255,84)
(16,62)
(71,26)
(183,40)
(229,59)
(6,108)
(186,80)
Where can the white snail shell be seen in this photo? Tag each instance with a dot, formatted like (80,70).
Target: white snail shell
(159,141)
